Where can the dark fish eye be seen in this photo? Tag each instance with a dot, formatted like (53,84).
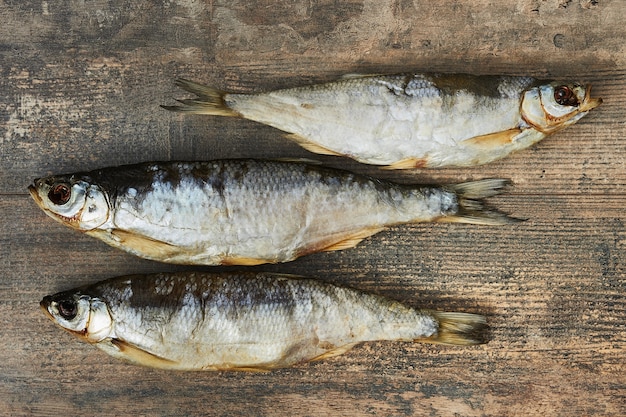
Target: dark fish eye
(59,194)
(67,309)
(565,96)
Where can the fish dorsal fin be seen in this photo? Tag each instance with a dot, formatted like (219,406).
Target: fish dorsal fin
(354,239)
(493,140)
(310,146)
(335,352)
(139,356)
(134,243)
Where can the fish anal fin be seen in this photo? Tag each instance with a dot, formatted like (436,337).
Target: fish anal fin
(352,240)
(142,245)
(493,140)
(234,260)
(141,357)
(408,163)
(255,369)
(310,146)
(335,352)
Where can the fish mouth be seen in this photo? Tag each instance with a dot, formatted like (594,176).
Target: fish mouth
(44,304)
(588,102)
(35,195)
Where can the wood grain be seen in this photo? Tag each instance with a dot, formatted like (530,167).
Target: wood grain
(80,88)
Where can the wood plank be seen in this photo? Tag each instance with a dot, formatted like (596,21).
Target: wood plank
(80,88)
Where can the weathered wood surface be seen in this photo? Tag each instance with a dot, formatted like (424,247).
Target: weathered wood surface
(80,88)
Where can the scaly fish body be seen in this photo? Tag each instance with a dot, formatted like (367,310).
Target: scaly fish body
(246,211)
(409,121)
(203,321)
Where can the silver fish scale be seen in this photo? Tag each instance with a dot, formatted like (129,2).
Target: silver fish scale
(418,86)
(511,86)
(412,86)
(401,85)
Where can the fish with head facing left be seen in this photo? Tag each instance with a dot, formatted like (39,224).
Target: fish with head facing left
(243,321)
(248,212)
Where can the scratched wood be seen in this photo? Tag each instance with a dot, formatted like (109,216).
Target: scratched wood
(80,88)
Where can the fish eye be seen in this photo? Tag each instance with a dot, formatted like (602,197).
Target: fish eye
(60,194)
(67,309)
(565,96)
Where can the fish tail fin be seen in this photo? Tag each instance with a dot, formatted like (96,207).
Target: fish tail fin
(208,101)
(471,208)
(459,329)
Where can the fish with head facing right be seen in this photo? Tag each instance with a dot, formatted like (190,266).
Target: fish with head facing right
(408,121)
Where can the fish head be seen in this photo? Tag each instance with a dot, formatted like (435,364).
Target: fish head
(82,315)
(72,201)
(552,106)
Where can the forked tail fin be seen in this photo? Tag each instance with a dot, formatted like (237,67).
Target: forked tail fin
(459,329)
(208,101)
(471,207)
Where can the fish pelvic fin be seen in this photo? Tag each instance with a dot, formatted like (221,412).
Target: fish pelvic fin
(334,352)
(310,146)
(208,101)
(137,355)
(459,329)
(354,239)
(471,207)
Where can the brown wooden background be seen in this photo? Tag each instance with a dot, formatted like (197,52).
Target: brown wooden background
(80,86)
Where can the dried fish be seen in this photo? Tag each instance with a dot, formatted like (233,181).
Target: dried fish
(242,321)
(247,212)
(408,121)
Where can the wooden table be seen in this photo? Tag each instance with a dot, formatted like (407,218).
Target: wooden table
(80,88)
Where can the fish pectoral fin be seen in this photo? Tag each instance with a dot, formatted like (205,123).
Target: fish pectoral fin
(139,356)
(310,146)
(408,163)
(352,240)
(144,245)
(335,352)
(493,140)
